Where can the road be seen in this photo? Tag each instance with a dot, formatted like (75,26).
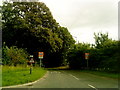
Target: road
(73,79)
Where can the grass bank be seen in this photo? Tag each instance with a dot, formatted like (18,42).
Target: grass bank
(102,73)
(99,73)
(20,75)
(0,76)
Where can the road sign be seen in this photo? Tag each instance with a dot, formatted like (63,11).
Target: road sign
(87,55)
(40,55)
(31,56)
(31,61)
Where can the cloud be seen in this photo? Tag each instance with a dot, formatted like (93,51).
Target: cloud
(86,34)
(75,13)
(96,14)
(84,17)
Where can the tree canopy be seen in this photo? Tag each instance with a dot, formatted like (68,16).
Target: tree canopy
(31,25)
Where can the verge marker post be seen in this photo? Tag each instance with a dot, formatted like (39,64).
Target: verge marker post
(31,61)
(31,69)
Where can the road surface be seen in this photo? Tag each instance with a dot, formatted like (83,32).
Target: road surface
(73,79)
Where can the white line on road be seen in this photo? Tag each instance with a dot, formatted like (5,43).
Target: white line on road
(59,72)
(74,76)
(92,87)
(55,72)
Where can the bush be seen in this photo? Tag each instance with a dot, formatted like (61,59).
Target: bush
(76,56)
(14,55)
(103,58)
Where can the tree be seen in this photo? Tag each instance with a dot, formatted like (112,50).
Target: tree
(68,42)
(103,56)
(107,52)
(76,56)
(100,39)
(14,55)
(26,22)
(31,25)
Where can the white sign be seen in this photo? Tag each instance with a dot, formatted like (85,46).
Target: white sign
(31,55)
(31,61)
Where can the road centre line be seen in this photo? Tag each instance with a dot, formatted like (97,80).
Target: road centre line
(92,86)
(74,76)
(88,84)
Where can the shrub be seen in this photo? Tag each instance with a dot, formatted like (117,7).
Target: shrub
(14,55)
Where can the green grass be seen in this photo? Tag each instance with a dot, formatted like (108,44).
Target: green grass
(20,75)
(101,73)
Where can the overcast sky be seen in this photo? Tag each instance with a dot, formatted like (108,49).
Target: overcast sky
(84,17)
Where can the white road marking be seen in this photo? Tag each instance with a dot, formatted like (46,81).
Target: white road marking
(54,71)
(92,86)
(59,72)
(74,76)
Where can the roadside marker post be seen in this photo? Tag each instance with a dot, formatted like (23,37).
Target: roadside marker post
(87,57)
(40,56)
(31,61)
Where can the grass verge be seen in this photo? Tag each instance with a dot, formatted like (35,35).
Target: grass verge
(101,73)
(20,75)
(0,76)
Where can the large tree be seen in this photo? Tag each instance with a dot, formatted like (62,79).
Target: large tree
(31,25)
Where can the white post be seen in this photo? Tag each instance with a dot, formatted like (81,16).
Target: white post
(40,62)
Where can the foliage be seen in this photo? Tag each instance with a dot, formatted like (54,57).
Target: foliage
(104,55)
(107,51)
(14,56)
(101,39)
(31,25)
(76,57)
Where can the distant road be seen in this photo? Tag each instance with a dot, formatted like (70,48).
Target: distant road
(73,79)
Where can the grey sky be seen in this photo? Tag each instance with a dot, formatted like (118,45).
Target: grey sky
(84,17)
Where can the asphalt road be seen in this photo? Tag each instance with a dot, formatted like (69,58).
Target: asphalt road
(73,79)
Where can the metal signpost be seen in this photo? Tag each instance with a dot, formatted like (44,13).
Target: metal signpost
(40,56)
(31,61)
(87,57)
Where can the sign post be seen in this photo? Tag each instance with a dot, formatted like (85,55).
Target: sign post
(31,61)
(87,57)
(40,56)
